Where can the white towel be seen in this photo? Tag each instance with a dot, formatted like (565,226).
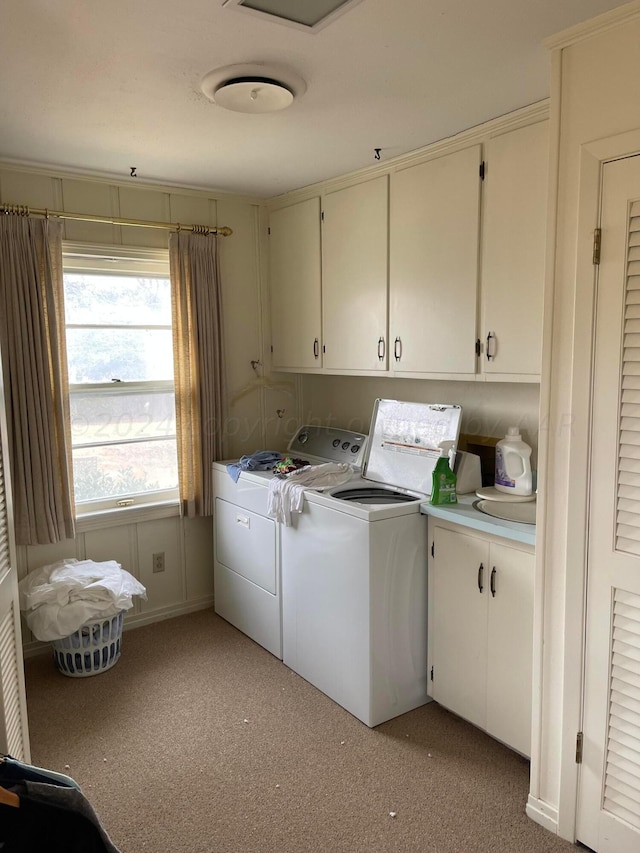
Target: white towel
(286,495)
(59,598)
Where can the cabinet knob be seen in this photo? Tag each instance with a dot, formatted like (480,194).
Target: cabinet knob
(316,348)
(493,581)
(480,577)
(381,348)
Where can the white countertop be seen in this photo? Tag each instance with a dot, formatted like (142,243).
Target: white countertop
(465,514)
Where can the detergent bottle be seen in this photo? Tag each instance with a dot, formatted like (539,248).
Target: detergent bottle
(513,464)
(443,487)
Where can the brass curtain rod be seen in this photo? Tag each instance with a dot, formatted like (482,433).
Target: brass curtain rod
(23,210)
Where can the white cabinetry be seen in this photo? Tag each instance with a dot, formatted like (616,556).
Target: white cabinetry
(481,631)
(354,277)
(433,265)
(426,271)
(294,274)
(513,252)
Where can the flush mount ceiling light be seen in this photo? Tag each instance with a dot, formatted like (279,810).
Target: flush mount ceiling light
(252,88)
(312,15)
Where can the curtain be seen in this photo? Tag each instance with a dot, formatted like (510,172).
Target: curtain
(32,343)
(198,358)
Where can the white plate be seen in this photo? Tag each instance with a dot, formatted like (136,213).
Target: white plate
(522,512)
(490,493)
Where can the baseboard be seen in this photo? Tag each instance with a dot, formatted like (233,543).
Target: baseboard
(134,620)
(542,813)
(139,619)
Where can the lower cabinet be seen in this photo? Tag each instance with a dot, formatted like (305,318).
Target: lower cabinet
(481,631)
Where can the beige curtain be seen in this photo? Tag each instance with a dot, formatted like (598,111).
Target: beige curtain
(32,342)
(198,358)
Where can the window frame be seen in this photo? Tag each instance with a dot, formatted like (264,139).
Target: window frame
(98,259)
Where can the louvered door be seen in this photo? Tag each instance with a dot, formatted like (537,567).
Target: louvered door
(609,800)
(14,738)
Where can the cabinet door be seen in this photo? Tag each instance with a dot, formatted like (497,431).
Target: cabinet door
(510,646)
(513,250)
(433,262)
(459,634)
(294,278)
(354,277)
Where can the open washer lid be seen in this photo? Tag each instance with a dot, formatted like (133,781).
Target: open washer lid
(406,439)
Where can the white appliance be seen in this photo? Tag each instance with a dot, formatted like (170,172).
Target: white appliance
(247,576)
(354,569)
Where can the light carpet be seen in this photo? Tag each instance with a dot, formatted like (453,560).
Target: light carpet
(200,741)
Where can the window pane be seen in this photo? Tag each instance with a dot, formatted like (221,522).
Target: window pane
(115,300)
(124,469)
(134,355)
(114,417)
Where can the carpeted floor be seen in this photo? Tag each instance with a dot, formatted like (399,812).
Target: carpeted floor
(200,741)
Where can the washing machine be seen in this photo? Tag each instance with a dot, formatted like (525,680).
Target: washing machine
(354,569)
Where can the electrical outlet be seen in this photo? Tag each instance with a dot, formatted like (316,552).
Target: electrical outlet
(158,562)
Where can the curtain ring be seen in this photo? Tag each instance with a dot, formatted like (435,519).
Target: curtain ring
(178,228)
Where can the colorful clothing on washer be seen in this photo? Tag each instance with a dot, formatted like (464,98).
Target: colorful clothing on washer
(288,464)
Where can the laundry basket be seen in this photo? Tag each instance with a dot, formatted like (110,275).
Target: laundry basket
(93,648)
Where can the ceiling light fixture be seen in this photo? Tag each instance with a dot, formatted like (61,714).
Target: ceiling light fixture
(252,88)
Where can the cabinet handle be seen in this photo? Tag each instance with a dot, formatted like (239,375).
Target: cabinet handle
(490,355)
(480,577)
(381,348)
(316,348)
(397,349)
(493,581)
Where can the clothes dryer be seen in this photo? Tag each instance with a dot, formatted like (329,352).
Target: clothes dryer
(247,572)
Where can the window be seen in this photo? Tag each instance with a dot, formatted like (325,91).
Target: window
(120,363)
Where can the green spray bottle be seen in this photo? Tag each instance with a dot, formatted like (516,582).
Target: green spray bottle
(443,483)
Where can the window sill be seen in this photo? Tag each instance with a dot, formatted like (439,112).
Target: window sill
(126,515)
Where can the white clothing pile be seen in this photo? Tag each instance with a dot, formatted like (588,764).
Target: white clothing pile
(286,495)
(59,599)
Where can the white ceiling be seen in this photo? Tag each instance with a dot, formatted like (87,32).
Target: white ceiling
(104,86)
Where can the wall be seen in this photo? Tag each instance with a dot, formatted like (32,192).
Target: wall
(487,409)
(595,95)
(253,397)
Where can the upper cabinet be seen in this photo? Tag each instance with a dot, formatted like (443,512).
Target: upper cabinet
(294,276)
(433,271)
(513,253)
(354,277)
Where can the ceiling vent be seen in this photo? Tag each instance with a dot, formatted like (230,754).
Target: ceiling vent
(311,15)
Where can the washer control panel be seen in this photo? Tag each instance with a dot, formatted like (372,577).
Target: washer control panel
(328,444)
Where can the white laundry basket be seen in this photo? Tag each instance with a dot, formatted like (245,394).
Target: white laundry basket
(93,648)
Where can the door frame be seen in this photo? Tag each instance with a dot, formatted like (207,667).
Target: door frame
(592,157)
